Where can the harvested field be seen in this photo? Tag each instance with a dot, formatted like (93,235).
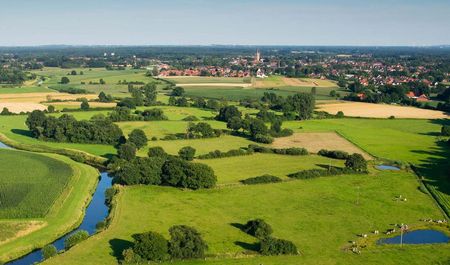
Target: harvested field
(313,142)
(216,84)
(40,97)
(18,107)
(279,81)
(369,110)
(77,104)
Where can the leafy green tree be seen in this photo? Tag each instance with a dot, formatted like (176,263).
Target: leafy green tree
(234,123)
(127,151)
(138,138)
(155,71)
(303,104)
(5,111)
(270,246)
(186,243)
(258,228)
(51,109)
(227,112)
(102,97)
(150,93)
(101,81)
(257,127)
(35,121)
(84,104)
(65,80)
(314,90)
(156,151)
(151,246)
(187,153)
(356,162)
(178,91)
(73,72)
(49,251)
(75,238)
(445,130)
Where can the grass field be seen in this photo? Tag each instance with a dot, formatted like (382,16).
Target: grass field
(234,169)
(200,79)
(30,190)
(319,215)
(64,212)
(24,89)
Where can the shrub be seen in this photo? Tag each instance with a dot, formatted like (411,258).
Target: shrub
(356,162)
(150,246)
(75,238)
(190,118)
(445,130)
(273,246)
(340,115)
(154,138)
(186,242)
(315,173)
(187,153)
(295,151)
(129,257)
(283,133)
(127,151)
(258,228)
(49,251)
(261,179)
(333,154)
(230,153)
(261,138)
(156,151)
(138,138)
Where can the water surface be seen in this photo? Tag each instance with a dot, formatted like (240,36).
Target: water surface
(427,236)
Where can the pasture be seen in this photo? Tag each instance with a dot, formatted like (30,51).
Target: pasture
(368,110)
(234,169)
(55,191)
(320,216)
(205,80)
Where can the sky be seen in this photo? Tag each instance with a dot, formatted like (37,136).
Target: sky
(243,22)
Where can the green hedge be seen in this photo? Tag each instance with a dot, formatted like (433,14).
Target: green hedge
(315,173)
(261,179)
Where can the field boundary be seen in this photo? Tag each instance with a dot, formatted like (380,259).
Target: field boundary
(89,159)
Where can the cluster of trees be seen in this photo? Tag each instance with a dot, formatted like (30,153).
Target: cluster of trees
(103,97)
(255,128)
(140,96)
(161,169)
(337,154)
(12,76)
(269,245)
(299,106)
(125,114)
(185,243)
(66,128)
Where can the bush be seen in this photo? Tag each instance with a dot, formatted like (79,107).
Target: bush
(138,138)
(230,153)
(340,115)
(261,138)
(273,246)
(186,243)
(190,118)
(333,154)
(258,228)
(445,130)
(156,151)
(75,238)
(315,173)
(154,138)
(129,257)
(187,153)
(261,179)
(127,151)
(150,246)
(356,162)
(295,151)
(49,251)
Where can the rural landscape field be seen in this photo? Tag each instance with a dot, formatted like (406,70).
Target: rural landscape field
(314,153)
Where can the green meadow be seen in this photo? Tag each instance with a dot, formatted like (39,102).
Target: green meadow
(320,216)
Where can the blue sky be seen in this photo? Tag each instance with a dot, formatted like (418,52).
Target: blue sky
(248,22)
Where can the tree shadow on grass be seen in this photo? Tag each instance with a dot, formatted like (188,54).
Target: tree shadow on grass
(118,246)
(22,132)
(238,226)
(248,246)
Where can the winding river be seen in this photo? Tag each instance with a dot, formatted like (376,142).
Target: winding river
(96,211)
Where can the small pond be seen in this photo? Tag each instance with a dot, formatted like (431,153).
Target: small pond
(418,237)
(386,167)
(2,145)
